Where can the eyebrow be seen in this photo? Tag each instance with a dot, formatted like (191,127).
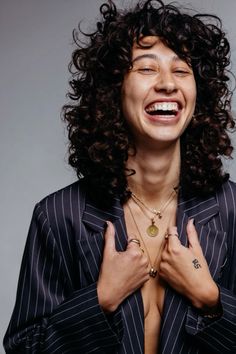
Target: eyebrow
(153,56)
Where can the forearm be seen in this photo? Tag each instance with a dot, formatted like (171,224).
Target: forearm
(50,316)
(77,324)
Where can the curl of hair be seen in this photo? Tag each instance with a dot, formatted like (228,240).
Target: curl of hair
(99,136)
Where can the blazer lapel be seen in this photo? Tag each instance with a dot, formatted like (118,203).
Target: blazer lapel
(95,219)
(211,237)
(213,243)
(90,247)
(91,241)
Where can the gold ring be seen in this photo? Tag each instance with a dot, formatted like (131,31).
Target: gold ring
(135,240)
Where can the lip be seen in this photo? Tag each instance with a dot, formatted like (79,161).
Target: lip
(164,120)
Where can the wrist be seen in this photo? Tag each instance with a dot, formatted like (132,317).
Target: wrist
(208,299)
(213,311)
(106,301)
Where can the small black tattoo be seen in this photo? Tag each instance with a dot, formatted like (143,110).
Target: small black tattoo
(196,264)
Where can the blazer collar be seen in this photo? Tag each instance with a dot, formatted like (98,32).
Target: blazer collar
(95,217)
(202,210)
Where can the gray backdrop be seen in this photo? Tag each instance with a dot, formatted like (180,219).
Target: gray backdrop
(36,45)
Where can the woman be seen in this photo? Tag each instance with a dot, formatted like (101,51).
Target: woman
(138,256)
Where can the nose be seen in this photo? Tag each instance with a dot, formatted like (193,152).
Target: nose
(165,82)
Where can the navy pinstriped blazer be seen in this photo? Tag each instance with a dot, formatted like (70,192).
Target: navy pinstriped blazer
(57,309)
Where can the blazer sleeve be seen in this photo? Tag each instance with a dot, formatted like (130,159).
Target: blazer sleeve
(219,334)
(50,317)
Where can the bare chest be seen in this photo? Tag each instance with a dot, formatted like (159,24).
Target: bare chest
(153,290)
(153,293)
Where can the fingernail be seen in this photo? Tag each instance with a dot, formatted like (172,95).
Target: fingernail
(106,224)
(191,221)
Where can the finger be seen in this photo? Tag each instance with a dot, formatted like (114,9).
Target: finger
(109,237)
(172,235)
(193,236)
(133,241)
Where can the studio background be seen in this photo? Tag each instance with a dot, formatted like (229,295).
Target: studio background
(36,45)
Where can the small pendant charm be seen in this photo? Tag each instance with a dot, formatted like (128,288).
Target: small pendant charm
(153,273)
(152,230)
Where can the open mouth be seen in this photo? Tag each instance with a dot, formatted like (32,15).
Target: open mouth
(163,109)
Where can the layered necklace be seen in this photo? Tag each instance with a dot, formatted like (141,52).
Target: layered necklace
(153,230)
(153,265)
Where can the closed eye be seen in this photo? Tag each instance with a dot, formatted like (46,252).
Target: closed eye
(147,70)
(182,72)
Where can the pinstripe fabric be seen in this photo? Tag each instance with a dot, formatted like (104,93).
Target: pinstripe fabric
(57,309)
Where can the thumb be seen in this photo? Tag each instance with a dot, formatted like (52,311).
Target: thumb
(193,236)
(109,238)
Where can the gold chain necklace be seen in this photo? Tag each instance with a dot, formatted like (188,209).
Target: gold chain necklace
(153,230)
(153,270)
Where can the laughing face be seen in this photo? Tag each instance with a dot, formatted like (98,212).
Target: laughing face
(158,94)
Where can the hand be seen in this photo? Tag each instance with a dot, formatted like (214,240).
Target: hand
(121,273)
(186,269)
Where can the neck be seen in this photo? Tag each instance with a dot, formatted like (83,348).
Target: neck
(157,173)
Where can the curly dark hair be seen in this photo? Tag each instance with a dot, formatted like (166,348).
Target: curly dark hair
(99,135)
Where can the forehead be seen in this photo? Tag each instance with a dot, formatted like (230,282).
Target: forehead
(152,46)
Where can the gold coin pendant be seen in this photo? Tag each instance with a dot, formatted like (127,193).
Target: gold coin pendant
(152,230)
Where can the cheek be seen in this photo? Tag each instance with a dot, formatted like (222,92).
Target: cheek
(194,92)
(134,89)
(130,97)
(194,98)
(131,105)
(126,103)
(191,96)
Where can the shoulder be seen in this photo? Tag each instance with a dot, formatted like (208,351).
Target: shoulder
(226,197)
(65,202)
(227,190)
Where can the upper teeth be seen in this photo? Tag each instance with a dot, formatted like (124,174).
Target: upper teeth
(163,106)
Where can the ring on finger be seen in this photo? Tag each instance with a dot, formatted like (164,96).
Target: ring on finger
(135,240)
(169,234)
